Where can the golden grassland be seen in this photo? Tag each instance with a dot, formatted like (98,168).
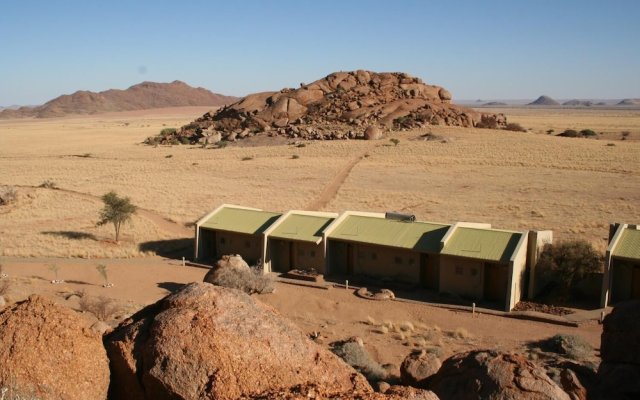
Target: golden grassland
(518,181)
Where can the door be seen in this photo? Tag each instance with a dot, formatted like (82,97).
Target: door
(635,282)
(280,255)
(429,277)
(350,258)
(495,282)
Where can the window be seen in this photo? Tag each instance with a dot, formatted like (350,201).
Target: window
(459,270)
(397,260)
(474,271)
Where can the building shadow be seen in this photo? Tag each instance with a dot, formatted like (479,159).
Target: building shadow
(170,248)
(73,235)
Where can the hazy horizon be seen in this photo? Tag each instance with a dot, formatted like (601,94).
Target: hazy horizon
(491,50)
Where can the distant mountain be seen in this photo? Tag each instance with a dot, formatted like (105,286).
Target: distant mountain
(629,102)
(13,107)
(544,101)
(495,103)
(145,95)
(578,103)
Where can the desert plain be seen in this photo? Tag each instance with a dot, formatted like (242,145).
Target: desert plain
(514,180)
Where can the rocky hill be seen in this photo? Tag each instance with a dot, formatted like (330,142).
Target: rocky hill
(544,101)
(341,105)
(629,102)
(145,95)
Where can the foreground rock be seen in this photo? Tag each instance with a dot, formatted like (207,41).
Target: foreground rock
(312,392)
(619,371)
(206,341)
(479,375)
(47,352)
(417,367)
(343,105)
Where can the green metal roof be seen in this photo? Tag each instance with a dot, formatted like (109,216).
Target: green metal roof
(418,236)
(483,244)
(307,228)
(629,244)
(241,220)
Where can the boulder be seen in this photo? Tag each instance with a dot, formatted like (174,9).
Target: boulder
(418,366)
(302,392)
(206,341)
(572,385)
(48,352)
(619,371)
(620,340)
(338,102)
(231,261)
(372,133)
(487,374)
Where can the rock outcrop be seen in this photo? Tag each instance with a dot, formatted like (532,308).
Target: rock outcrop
(206,341)
(340,106)
(313,392)
(488,374)
(619,371)
(544,101)
(145,95)
(48,352)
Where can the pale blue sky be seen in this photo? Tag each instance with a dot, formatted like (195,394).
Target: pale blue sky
(476,49)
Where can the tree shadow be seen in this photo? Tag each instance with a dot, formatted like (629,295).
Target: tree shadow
(73,235)
(170,248)
(171,287)
(77,282)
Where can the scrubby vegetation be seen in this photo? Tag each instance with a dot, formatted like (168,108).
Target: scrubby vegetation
(250,280)
(7,195)
(585,133)
(354,354)
(566,263)
(571,346)
(515,127)
(102,307)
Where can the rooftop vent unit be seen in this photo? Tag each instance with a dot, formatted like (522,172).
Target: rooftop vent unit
(396,216)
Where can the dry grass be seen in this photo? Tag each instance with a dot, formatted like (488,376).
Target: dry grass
(102,307)
(515,180)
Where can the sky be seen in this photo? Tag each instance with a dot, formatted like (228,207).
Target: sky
(513,49)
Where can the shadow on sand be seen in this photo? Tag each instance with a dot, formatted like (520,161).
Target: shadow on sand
(73,235)
(171,248)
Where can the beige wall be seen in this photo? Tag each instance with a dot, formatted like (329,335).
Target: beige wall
(308,255)
(248,246)
(535,245)
(518,270)
(403,265)
(457,276)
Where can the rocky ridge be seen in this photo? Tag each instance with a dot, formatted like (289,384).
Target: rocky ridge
(145,95)
(341,105)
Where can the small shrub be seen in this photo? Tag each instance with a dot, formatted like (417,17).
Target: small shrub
(295,157)
(515,127)
(572,346)
(301,145)
(48,184)
(168,156)
(567,263)
(625,134)
(611,144)
(461,333)
(487,122)
(102,307)
(7,195)
(55,269)
(407,327)
(383,329)
(249,281)
(167,132)
(185,140)
(222,144)
(587,133)
(247,158)
(550,131)
(104,273)
(357,356)
(569,133)
(435,350)
(395,141)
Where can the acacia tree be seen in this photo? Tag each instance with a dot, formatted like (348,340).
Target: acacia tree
(116,210)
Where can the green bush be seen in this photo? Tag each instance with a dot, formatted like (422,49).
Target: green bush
(567,263)
(167,132)
(569,133)
(588,132)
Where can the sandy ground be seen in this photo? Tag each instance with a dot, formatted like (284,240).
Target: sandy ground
(335,314)
(519,181)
